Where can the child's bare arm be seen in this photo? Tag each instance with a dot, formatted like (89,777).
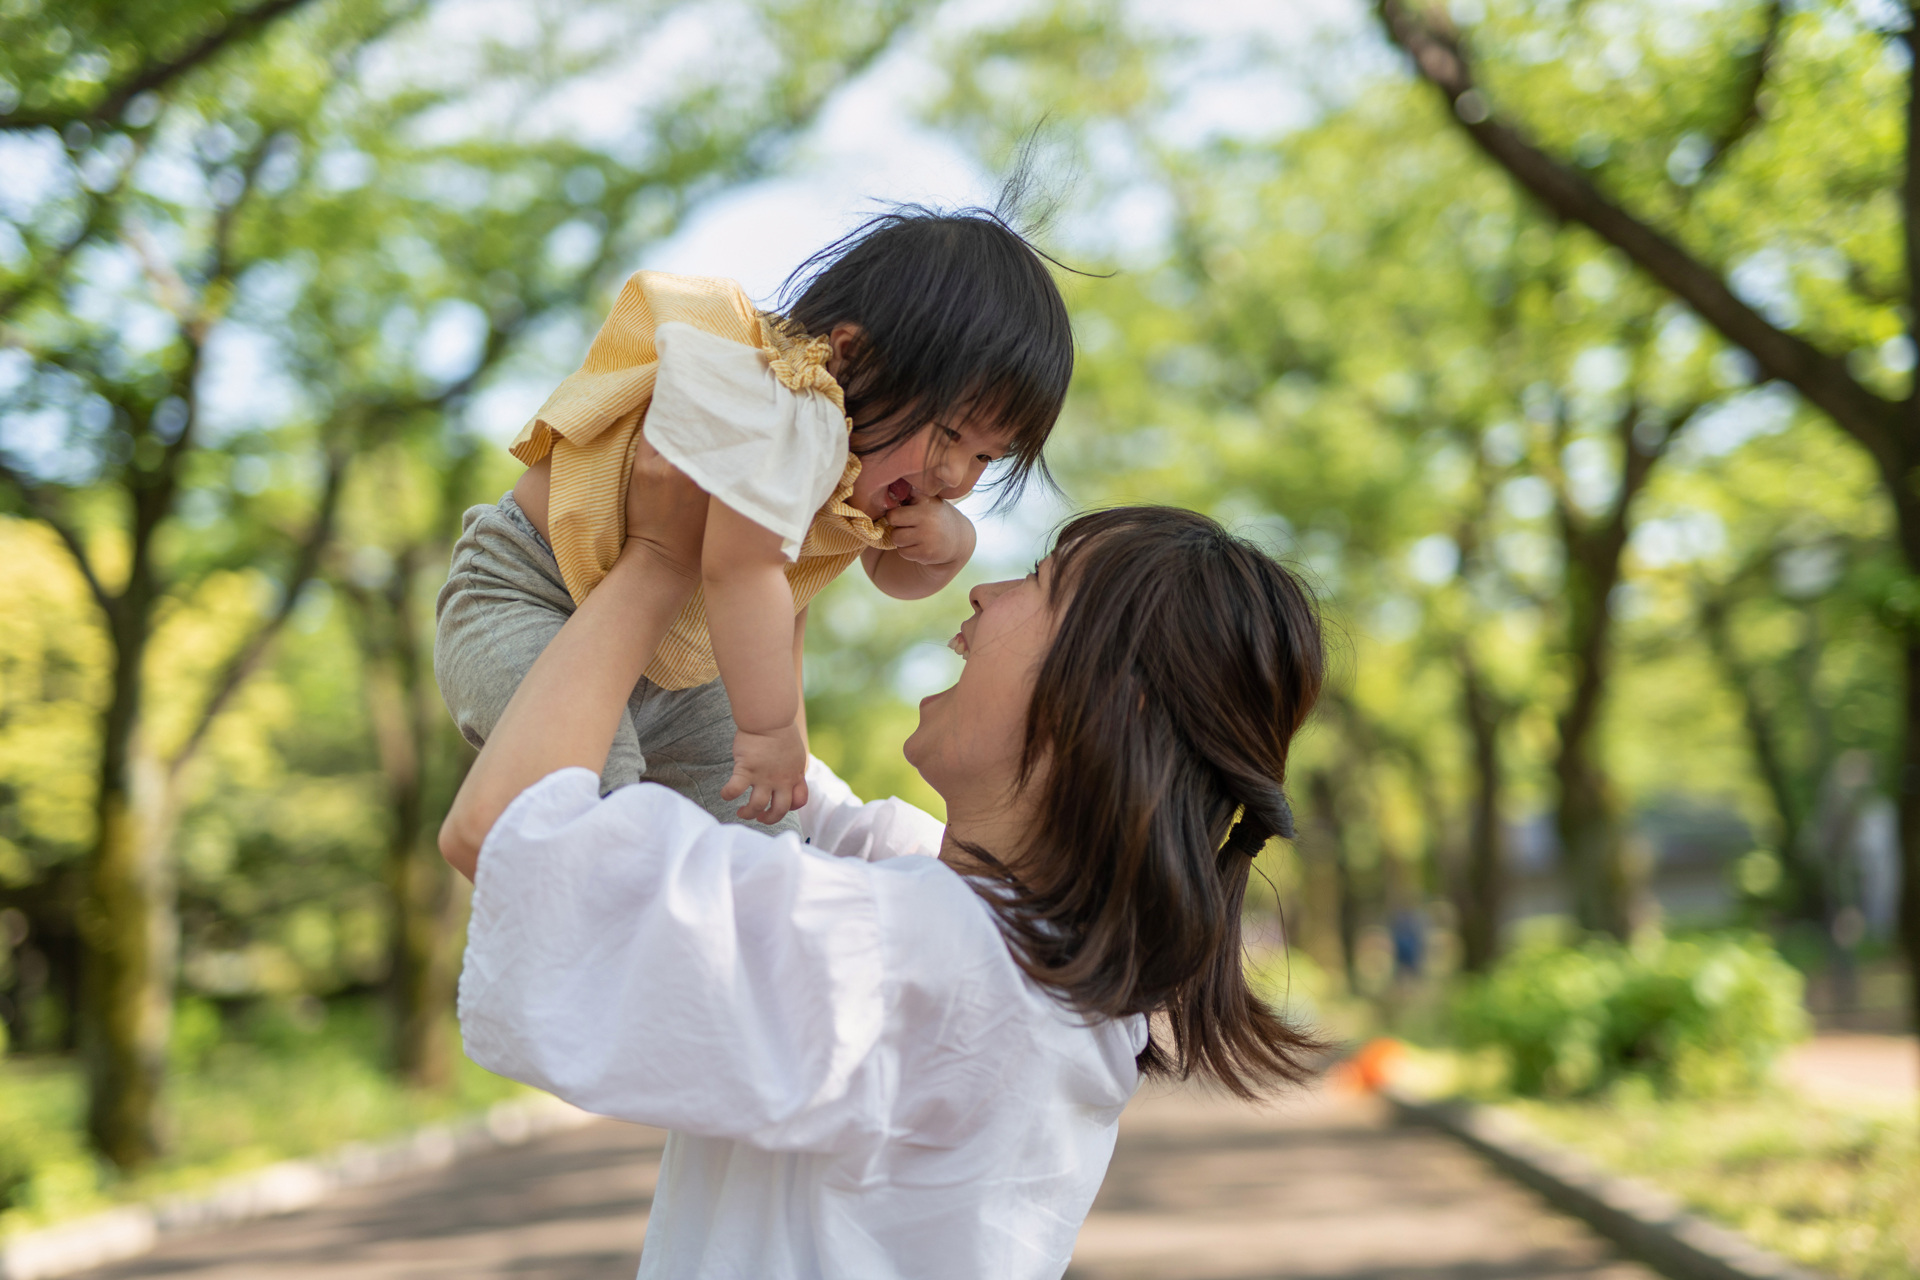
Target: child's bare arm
(932,543)
(749,605)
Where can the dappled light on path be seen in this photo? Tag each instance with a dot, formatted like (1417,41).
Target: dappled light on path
(1201,1188)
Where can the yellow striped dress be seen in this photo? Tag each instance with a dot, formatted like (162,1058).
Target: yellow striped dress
(592,424)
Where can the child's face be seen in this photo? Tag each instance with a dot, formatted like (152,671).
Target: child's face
(942,460)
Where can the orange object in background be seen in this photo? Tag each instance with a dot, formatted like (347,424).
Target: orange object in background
(1371,1067)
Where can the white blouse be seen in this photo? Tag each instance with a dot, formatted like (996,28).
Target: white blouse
(859,1080)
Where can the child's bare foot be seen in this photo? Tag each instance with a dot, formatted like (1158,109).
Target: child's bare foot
(770,770)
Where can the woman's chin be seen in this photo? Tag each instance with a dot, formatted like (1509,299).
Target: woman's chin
(924,732)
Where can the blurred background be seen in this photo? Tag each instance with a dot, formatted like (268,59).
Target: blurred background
(1564,346)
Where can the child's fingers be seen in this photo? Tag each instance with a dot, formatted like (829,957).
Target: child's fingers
(800,794)
(756,804)
(736,786)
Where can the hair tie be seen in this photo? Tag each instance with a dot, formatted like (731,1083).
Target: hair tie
(1249,834)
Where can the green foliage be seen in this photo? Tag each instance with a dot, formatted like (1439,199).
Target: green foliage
(1696,1016)
(277,1081)
(1831,1189)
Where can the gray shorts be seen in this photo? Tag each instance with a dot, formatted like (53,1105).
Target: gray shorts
(504,600)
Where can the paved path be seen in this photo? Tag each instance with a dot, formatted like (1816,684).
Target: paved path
(1857,1067)
(1201,1189)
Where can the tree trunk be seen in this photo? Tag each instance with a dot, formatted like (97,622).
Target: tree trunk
(1592,840)
(1482,895)
(1587,817)
(412,734)
(1321,908)
(1907,766)
(129,936)
(1808,895)
(426,916)
(1909,803)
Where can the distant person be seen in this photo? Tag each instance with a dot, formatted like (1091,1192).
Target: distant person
(916,352)
(875,1064)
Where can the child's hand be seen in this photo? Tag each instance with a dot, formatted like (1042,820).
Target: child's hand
(931,530)
(770,769)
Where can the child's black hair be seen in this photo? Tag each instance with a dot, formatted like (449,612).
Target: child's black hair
(959,316)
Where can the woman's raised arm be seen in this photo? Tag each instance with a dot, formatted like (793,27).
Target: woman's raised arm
(566,710)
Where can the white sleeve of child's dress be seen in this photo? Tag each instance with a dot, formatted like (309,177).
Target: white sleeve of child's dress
(838,821)
(640,960)
(722,417)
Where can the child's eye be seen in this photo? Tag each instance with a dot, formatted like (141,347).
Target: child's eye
(952,434)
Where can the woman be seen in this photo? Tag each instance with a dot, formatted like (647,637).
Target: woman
(877,1064)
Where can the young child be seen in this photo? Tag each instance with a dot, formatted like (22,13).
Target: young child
(918,350)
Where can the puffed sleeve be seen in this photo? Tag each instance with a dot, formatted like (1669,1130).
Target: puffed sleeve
(837,821)
(640,960)
(721,415)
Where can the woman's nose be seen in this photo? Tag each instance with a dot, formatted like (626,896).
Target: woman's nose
(985,594)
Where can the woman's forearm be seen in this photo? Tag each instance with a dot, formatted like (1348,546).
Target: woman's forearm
(566,710)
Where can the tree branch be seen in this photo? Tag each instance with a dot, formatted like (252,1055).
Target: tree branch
(1751,77)
(32,497)
(1440,59)
(157,73)
(306,564)
(1910,194)
(101,211)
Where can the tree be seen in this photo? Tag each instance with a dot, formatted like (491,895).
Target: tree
(134,415)
(1364,285)
(1715,169)
(382,270)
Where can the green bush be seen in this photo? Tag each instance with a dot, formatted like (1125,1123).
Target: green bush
(1695,1016)
(16,1171)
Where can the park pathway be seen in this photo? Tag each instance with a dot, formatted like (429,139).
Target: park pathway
(1200,1189)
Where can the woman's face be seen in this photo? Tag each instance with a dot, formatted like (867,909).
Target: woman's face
(969,740)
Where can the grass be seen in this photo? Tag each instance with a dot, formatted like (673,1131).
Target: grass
(284,1083)
(1833,1189)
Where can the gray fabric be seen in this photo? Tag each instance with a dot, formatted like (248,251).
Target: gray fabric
(504,600)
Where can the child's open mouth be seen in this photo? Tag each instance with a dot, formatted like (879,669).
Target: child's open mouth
(897,494)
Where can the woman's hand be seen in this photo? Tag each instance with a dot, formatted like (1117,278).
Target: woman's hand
(566,709)
(666,513)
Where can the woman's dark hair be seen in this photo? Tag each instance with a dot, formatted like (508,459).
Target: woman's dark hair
(1185,661)
(959,315)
